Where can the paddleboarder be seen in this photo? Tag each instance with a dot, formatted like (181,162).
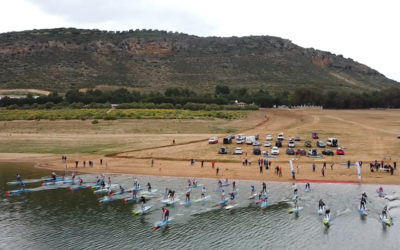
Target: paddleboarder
(384,212)
(203,192)
(321,204)
(143,201)
(165,213)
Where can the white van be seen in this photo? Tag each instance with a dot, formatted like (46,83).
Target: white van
(332,142)
(250,139)
(281,137)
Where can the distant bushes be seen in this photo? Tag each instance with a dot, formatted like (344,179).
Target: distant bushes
(222,99)
(107,114)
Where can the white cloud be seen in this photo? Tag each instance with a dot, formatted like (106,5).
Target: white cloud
(364,30)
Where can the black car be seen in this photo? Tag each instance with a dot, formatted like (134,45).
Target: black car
(256,151)
(328,152)
(278,143)
(231,137)
(223,150)
(290,151)
(227,140)
(301,151)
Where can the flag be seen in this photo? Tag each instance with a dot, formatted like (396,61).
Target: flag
(358,170)
(291,165)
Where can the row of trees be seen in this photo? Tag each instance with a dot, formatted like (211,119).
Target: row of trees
(223,95)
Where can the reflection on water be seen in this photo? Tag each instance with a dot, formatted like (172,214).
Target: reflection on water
(59,218)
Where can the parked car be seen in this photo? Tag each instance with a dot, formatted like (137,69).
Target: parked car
(232,137)
(313,152)
(223,150)
(278,143)
(241,136)
(213,140)
(297,138)
(320,144)
(307,144)
(332,142)
(238,151)
(239,141)
(291,143)
(267,144)
(275,151)
(301,151)
(314,135)
(250,140)
(256,151)
(256,143)
(227,140)
(269,138)
(340,151)
(290,151)
(328,152)
(281,137)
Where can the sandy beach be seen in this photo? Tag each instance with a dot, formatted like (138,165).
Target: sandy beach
(367,135)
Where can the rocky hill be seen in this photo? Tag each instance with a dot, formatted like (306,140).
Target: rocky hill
(62,59)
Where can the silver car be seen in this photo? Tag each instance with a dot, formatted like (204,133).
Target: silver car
(238,151)
(267,144)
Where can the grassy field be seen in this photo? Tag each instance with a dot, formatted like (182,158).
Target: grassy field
(111,114)
(111,136)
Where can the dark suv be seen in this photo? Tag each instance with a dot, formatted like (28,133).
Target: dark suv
(290,151)
(256,151)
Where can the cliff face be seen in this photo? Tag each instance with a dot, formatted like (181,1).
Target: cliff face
(60,59)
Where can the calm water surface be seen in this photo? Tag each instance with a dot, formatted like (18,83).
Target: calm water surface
(57,218)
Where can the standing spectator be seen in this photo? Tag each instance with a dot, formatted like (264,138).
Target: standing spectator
(332,165)
(173,141)
(324,166)
(217,171)
(280,171)
(313,167)
(261,169)
(323,172)
(213,164)
(394,165)
(293,175)
(152,162)
(76,164)
(202,163)
(348,164)
(101,161)
(84,164)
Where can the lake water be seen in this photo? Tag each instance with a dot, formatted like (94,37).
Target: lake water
(58,218)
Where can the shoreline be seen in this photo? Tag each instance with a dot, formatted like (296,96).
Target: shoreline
(182,169)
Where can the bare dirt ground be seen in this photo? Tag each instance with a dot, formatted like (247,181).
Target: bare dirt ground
(128,146)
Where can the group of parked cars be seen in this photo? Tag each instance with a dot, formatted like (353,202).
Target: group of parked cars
(254,141)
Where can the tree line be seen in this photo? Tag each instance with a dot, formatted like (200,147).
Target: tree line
(223,97)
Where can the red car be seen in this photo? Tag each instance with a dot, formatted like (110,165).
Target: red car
(213,140)
(340,151)
(315,135)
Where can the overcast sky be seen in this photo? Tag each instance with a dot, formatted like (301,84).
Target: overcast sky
(365,30)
